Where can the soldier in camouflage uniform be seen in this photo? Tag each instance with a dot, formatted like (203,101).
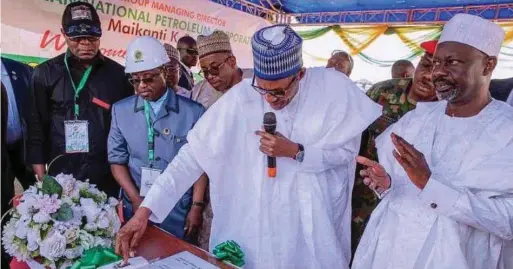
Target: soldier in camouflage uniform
(397,96)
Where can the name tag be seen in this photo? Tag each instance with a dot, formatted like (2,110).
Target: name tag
(76,135)
(148,177)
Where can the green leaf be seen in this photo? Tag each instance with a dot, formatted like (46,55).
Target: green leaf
(51,186)
(64,213)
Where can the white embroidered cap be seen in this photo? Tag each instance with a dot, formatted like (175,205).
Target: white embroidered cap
(474,31)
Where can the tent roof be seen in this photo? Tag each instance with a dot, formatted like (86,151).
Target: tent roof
(371,11)
(308,6)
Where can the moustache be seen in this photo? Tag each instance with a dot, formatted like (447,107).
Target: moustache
(443,80)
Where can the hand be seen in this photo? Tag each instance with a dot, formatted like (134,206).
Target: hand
(412,161)
(277,145)
(129,236)
(374,175)
(194,219)
(39,170)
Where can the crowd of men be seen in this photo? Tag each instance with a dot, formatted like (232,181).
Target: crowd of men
(416,173)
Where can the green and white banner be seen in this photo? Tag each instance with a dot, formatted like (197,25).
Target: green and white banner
(31,28)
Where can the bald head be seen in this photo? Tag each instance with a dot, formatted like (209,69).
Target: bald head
(342,62)
(403,69)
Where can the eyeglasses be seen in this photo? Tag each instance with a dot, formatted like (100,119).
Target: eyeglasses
(88,38)
(171,68)
(276,93)
(190,51)
(148,80)
(213,70)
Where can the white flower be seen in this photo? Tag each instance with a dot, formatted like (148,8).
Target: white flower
(114,220)
(9,232)
(53,246)
(67,182)
(73,253)
(41,217)
(75,194)
(103,221)
(102,242)
(30,190)
(28,201)
(86,239)
(21,229)
(91,227)
(71,235)
(33,239)
(48,204)
(77,215)
(82,185)
(90,209)
(66,200)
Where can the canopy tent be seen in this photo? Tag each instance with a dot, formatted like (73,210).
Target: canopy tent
(369,29)
(370,11)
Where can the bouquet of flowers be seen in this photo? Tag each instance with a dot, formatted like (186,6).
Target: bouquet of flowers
(58,219)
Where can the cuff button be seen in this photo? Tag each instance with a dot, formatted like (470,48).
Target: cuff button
(433,205)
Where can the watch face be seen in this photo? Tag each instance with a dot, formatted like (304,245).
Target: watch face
(300,155)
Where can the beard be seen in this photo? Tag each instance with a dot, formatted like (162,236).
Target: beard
(447,95)
(445,89)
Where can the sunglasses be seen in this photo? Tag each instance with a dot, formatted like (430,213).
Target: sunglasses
(280,93)
(88,38)
(190,51)
(213,70)
(148,80)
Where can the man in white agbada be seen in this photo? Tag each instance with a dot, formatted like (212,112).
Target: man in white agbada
(300,218)
(447,200)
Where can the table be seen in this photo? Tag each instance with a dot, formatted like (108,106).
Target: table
(157,243)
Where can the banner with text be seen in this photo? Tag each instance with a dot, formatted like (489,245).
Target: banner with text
(31,28)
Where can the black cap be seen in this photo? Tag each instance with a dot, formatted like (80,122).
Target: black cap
(81,19)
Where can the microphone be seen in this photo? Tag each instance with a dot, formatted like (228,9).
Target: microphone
(270,127)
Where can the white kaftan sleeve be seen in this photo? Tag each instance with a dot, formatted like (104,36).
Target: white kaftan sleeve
(170,186)
(317,159)
(493,214)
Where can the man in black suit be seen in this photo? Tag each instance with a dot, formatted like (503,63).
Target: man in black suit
(7,178)
(188,58)
(16,81)
(502,89)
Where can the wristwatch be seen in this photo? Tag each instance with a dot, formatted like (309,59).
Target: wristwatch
(300,155)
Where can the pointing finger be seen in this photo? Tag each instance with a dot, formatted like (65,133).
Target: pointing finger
(365,161)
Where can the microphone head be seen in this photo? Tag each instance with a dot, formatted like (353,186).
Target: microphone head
(270,122)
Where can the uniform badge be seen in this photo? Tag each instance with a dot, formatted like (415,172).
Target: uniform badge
(166,131)
(138,56)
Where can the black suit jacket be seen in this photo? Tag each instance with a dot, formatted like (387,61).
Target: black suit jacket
(501,88)
(186,80)
(20,75)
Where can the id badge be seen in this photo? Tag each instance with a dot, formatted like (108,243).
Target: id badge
(77,136)
(148,177)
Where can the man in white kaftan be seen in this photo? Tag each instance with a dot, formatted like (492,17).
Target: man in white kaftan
(300,218)
(450,165)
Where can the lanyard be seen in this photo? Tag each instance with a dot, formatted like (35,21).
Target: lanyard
(81,84)
(151,132)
